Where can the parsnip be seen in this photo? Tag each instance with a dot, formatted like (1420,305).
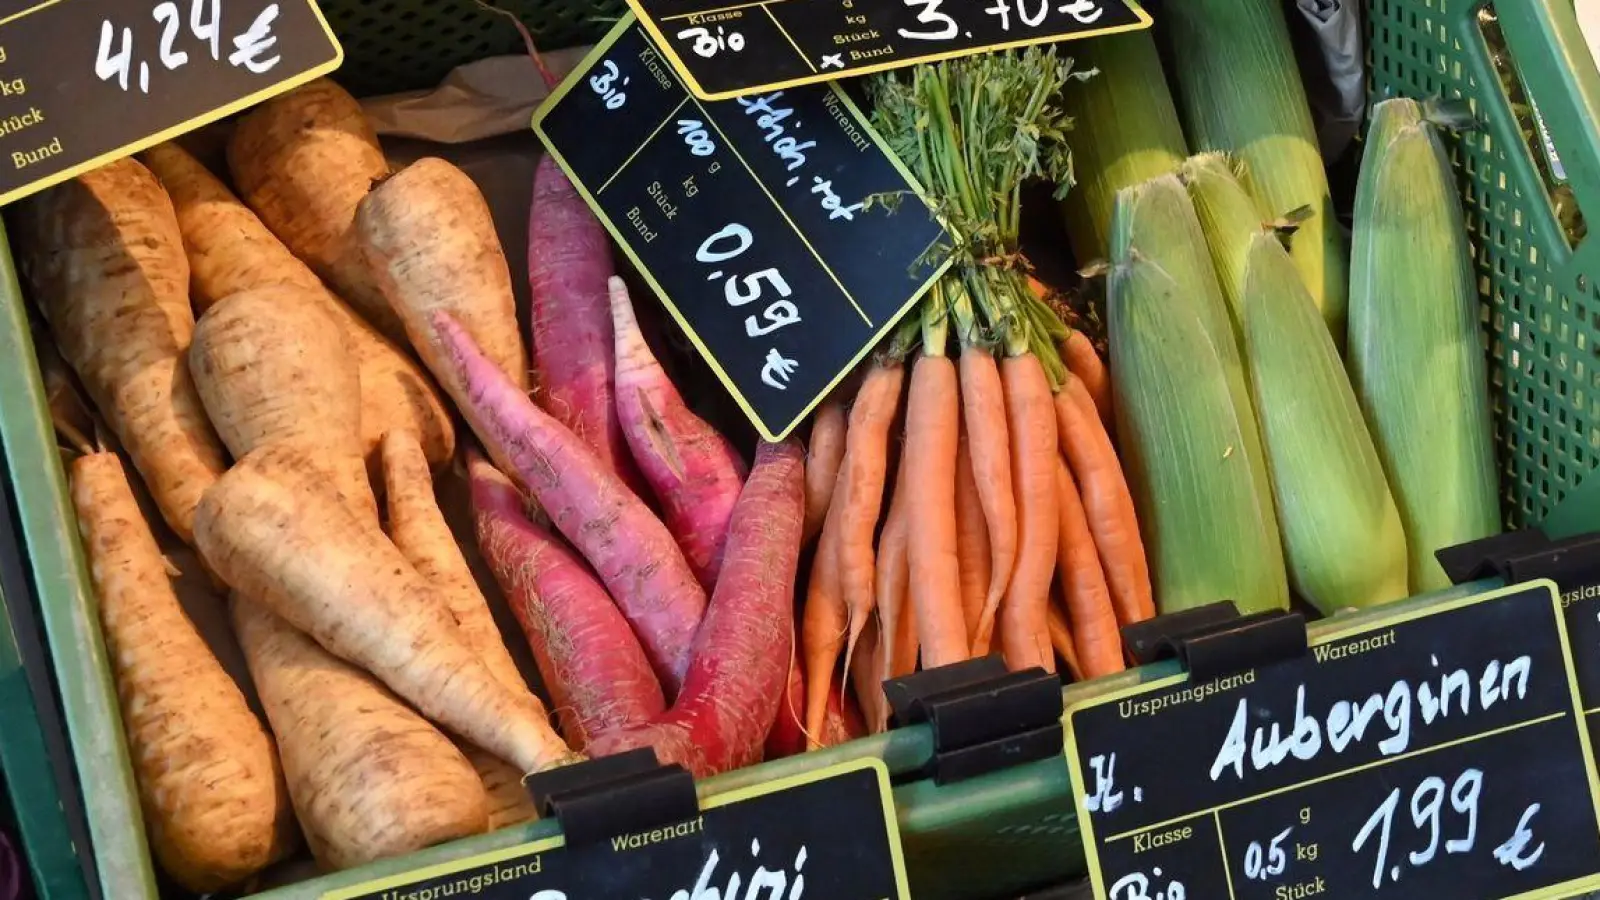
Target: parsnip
(104,259)
(431,243)
(230,250)
(209,784)
(275,530)
(418,528)
(303,160)
(369,777)
(272,365)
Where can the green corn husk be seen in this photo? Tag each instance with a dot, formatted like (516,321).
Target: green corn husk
(1239,91)
(1157,221)
(1182,443)
(1341,529)
(1128,132)
(1416,358)
(1229,218)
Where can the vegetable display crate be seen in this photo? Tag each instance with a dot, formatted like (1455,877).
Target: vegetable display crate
(1001,834)
(36,778)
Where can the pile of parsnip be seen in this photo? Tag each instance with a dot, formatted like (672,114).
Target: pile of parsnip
(290,435)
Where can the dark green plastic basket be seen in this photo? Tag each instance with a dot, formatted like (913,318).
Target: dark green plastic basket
(995,836)
(1541,298)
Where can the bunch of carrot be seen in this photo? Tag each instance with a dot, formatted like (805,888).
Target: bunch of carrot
(1009,525)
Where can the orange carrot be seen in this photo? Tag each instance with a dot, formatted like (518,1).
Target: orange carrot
(989,441)
(907,651)
(1083,582)
(972,541)
(1023,625)
(1061,638)
(896,624)
(1082,360)
(858,493)
(823,458)
(844,719)
(867,682)
(822,627)
(933,418)
(1109,505)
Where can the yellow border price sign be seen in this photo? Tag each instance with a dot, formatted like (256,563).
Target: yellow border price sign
(86,82)
(1438,752)
(834,828)
(728,48)
(751,219)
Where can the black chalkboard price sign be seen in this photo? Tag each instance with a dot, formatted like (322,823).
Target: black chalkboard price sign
(1438,753)
(84,82)
(725,48)
(828,835)
(750,218)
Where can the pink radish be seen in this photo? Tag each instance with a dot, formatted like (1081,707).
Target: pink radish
(741,659)
(591,661)
(629,548)
(693,470)
(569,260)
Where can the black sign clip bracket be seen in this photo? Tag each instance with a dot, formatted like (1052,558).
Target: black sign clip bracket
(1525,555)
(984,718)
(614,795)
(1214,641)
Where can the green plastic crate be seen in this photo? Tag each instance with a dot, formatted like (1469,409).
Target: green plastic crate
(998,835)
(37,783)
(1541,298)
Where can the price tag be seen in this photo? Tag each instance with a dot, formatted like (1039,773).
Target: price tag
(1440,753)
(724,49)
(85,82)
(829,835)
(1581,602)
(749,218)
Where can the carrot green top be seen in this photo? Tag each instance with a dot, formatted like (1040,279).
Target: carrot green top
(973,131)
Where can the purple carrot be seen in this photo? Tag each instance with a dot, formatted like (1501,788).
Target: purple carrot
(569,260)
(590,660)
(632,552)
(693,470)
(739,671)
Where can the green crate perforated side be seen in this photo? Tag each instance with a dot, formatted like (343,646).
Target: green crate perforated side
(399,45)
(1541,298)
